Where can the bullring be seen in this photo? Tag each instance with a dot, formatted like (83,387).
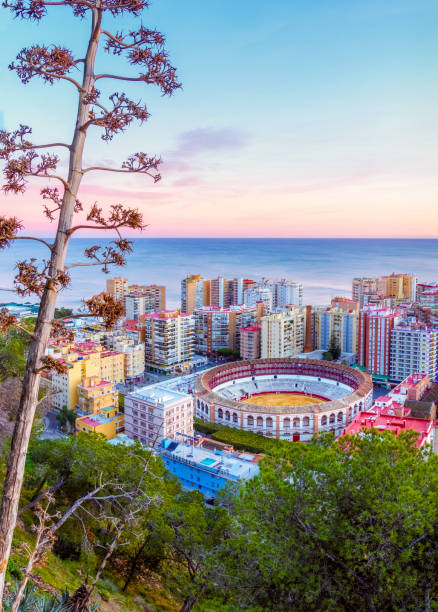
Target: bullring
(332,394)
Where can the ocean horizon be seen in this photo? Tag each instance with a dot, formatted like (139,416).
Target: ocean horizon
(325,266)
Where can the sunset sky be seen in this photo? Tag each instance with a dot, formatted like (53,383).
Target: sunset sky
(296,118)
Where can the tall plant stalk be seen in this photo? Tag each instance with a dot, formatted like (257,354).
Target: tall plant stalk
(143,48)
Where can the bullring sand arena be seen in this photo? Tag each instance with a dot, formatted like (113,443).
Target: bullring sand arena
(282,399)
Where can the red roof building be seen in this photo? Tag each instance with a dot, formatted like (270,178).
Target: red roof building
(395,418)
(390,413)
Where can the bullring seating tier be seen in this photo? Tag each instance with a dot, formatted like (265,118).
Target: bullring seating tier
(240,388)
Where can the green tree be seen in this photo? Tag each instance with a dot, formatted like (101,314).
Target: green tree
(14,344)
(150,549)
(198,530)
(334,348)
(62,312)
(109,498)
(345,526)
(12,356)
(66,418)
(229,353)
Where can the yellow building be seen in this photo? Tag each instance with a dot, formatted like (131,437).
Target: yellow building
(401,286)
(395,286)
(95,394)
(112,365)
(195,292)
(117,287)
(83,359)
(110,424)
(98,408)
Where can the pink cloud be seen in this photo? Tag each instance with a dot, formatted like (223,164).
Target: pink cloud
(188,181)
(124,195)
(174,165)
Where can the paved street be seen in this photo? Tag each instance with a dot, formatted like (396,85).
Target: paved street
(51,427)
(152,378)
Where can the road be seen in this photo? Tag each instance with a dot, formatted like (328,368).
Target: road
(51,427)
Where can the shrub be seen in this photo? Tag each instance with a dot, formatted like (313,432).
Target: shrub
(247,441)
(207,428)
(241,440)
(14,569)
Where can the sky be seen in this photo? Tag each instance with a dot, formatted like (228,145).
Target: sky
(296,118)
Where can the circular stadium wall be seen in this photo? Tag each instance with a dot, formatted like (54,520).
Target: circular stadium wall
(290,399)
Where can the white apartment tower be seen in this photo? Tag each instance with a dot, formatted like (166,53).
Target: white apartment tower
(414,348)
(258,294)
(286,292)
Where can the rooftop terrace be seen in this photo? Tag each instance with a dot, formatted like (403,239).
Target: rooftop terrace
(232,466)
(159,394)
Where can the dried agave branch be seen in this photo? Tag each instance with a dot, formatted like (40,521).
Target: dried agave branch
(106,308)
(144,51)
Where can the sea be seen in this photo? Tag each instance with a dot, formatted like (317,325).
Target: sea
(324,266)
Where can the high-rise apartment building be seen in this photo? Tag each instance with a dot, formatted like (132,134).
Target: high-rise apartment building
(238,287)
(169,340)
(257,293)
(285,292)
(401,286)
(374,339)
(220,292)
(427,293)
(283,334)
(195,292)
(363,286)
(117,287)
(328,323)
(137,304)
(155,295)
(414,348)
(219,328)
(250,342)
(396,286)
